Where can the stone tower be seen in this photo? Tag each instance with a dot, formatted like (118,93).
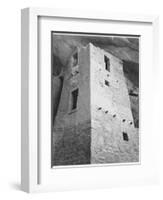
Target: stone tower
(93,122)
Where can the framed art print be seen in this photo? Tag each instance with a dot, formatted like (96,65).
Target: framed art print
(86,98)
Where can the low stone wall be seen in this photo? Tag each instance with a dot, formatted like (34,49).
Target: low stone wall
(74,146)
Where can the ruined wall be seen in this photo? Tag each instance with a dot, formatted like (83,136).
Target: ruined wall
(101,129)
(110,112)
(57,84)
(72,128)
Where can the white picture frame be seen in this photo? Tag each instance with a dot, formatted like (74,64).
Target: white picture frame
(32,165)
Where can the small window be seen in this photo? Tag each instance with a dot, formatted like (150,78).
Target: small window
(74,98)
(107,83)
(125,136)
(107,63)
(75,59)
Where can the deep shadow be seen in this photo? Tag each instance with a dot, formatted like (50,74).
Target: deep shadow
(56,93)
(131,72)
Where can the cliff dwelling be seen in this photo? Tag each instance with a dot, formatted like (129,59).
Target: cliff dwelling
(94,118)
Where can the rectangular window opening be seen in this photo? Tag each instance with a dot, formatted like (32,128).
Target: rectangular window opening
(75,59)
(107,83)
(107,63)
(74,97)
(125,136)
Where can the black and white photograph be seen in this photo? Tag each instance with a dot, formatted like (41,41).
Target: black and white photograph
(94,99)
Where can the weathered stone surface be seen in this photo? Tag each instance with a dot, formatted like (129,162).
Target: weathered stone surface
(72,128)
(93,132)
(107,143)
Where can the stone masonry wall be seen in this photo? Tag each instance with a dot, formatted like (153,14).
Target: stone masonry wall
(110,113)
(72,128)
(93,132)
